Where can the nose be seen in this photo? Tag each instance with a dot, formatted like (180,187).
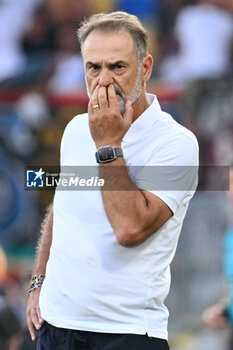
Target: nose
(105,77)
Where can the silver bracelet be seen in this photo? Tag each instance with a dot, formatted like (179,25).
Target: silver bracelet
(36,282)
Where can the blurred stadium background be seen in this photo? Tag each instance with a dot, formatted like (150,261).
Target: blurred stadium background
(42,87)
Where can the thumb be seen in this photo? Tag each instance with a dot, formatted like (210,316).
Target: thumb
(128,114)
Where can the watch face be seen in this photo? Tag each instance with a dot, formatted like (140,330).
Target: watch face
(106,153)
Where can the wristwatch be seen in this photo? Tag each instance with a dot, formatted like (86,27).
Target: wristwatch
(108,153)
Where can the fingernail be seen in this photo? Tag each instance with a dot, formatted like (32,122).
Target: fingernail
(38,326)
(33,338)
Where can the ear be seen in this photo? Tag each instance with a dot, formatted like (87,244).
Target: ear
(147,64)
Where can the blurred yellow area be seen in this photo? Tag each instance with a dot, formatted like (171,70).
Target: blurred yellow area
(103,5)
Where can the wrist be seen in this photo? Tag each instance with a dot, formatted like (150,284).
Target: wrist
(105,143)
(36,282)
(108,153)
(35,290)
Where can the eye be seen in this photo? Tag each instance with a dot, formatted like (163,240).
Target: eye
(119,68)
(94,69)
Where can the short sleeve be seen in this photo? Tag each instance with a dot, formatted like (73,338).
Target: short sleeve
(171,173)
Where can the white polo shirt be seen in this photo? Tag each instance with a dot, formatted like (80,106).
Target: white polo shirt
(93,283)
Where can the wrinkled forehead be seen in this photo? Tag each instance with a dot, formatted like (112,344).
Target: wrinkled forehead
(108,46)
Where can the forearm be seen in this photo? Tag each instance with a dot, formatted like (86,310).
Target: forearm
(44,243)
(126,207)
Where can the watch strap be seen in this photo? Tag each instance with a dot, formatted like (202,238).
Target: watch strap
(118,152)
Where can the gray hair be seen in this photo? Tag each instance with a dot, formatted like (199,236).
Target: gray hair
(114,22)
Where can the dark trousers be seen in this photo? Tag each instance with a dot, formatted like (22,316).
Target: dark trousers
(53,338)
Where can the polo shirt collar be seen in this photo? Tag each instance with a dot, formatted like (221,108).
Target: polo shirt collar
(144,121)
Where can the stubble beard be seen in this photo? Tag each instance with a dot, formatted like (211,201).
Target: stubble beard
(132,97)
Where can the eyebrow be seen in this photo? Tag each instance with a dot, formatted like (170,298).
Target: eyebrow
(109,65)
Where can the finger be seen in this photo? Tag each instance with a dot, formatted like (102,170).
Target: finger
(112,97)
(35,319)
(102,97)
(41,320)
(31,329)
(128,114)
(94,97)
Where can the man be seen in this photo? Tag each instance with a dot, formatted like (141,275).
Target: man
(106,254)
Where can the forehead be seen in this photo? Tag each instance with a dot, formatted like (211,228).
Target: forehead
(110,46)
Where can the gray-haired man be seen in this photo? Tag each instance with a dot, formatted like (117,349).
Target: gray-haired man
(106,254)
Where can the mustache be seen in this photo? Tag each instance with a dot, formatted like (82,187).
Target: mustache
(118,90)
